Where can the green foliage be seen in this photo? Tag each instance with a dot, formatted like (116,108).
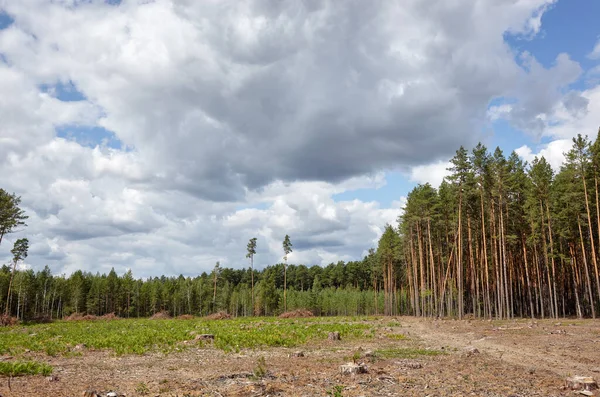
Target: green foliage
(260,370)
(396,336)
(20,249)
(251,248)
(11,215)
(336,391)
(287,247)
(22,368)
(406,353)
(137,336)
(142,388)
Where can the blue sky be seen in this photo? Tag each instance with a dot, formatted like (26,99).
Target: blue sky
(267,120)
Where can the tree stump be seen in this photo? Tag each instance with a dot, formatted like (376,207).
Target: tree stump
(334,336)
(470,350)
(297,354)
(581,383)
(353,368)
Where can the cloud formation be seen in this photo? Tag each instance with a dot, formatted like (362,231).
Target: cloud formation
(243,118)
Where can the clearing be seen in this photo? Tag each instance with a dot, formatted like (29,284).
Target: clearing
(405,356)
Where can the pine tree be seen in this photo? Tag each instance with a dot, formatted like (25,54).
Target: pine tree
(287,249)
(251,251)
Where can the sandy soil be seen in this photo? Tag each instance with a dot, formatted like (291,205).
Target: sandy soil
(517,358)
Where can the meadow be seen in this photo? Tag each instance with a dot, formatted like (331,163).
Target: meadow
(139,336)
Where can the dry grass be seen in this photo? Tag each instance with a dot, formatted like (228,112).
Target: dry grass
(160,316)
(218,316)
(91,317)
(6,321)
(299,313)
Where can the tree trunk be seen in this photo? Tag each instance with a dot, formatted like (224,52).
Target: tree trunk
(528,286)
(575,280)
(12,275)
(587,273)
(433,275)
(252,277)
(592,245)
(552,261)
(485,258)
(422,269)
(459,264)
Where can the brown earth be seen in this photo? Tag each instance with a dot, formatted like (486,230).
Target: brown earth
(517,358)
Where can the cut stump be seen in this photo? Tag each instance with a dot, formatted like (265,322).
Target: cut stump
(471,350)
(334,336)
(204,337)
(353,368)
(581,383)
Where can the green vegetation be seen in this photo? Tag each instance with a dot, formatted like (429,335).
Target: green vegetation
(22,368)
(406,353)
(336,391)
(261,368)
(142,388)
(139,336)
(396,336)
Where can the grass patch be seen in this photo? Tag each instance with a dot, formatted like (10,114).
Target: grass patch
(22,368)
(406,353)
(139,336)
(396,336)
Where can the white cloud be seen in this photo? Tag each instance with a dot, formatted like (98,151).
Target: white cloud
(245,119)
(431,173)
(568,121)
(553,152)
(595,54)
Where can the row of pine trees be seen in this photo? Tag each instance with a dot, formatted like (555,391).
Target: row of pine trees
(500,238)
(337,289)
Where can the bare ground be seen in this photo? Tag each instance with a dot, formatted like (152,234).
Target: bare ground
(517,358)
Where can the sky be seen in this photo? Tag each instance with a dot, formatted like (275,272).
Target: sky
(160,136)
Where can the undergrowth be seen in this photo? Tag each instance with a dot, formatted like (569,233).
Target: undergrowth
(139,336)
(21,368)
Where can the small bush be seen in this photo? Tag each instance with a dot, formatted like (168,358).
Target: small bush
(142,388)
(21,368)
(261,368)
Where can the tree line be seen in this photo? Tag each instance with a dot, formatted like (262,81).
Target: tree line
(336,289)
(499,238)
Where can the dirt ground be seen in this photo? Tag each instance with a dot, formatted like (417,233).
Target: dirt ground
(517,358)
